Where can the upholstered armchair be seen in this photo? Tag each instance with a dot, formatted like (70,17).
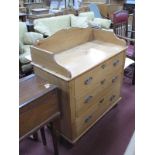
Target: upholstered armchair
(120,25)
(26,39)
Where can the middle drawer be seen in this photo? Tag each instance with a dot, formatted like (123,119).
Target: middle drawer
(103,103)
(92,96)
(97,76)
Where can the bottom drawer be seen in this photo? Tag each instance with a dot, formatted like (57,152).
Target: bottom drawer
(92,114)
(111,97)
(85,120)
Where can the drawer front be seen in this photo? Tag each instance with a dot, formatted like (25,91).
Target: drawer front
(110,98)
(87,101)
(103,103)
(85,120)
(111,67)
(91,98)
(98,76)
(87,82)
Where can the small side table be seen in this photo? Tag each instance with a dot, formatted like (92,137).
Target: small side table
(38,106)
(22,17)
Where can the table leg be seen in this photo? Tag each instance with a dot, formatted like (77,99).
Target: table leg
(35,136)
(42,131)
(133,78)
(54,137)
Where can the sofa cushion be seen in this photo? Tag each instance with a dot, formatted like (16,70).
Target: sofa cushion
(21,47)
(52,24)
(81,22)
(103,23)
(89,15)
(40,27)
(22,31)
(22,57)
(31,37)
(27,67)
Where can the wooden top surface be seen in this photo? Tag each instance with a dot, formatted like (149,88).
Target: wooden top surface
(32,87)
(71,52)
(85,56)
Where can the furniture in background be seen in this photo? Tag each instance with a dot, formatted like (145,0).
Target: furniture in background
(31,4)
(22,17)
(94,8)
(38,106)
(30,26)
(26,39)
(22,9)
(129,5)
(32,17)
(98,23)
(89,88)
(120,25)
(37,11)
(106,10)
(83,9)
(49,26)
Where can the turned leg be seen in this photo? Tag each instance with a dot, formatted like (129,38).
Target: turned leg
(54,137)
(35,136)
(42,131)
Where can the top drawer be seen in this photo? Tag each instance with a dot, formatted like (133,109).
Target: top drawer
(93,78)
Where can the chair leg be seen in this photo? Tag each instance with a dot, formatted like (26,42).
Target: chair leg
(43,137)
(133,77)
(54,137)
(35,136)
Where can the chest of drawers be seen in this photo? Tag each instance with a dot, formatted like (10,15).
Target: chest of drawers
(87,65)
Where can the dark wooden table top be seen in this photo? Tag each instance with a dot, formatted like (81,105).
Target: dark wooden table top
(32,87)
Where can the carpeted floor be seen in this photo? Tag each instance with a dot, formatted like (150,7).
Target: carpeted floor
(110,136)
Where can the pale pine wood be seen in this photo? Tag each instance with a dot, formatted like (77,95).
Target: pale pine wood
(107,10)
(69,66)
(93,53)
(65,61)
(67,124)
(97,74)
(110,37)
(81,123)
(46,59)
(113,90)
(82,106)
(65,39)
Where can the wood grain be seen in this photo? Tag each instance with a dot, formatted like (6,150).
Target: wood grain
(91,57)
(38,104)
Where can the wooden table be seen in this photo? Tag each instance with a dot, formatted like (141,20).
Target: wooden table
(22,17)
(38,106)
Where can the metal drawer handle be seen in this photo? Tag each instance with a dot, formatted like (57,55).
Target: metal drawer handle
(112,97)
(103,66)
(114,79)
(115,63)
(101,101)
(88,81)
(87,119)
(87,99)
(103,81)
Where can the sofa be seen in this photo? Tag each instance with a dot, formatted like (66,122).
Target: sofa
(26,39)
(49,26)
(96,22)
